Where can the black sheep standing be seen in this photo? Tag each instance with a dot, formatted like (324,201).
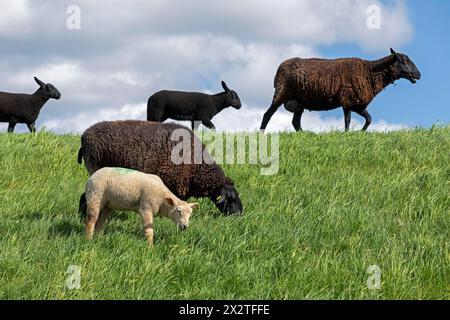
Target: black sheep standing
(190,106)
(351,83)
(24,108)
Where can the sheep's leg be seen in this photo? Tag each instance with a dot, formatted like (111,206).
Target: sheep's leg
(102,218)
(276,103)
(93,210)
(31,127)
(147,220)
(365,115)
(297,120)
(11,127)
(207,123)
(348,118)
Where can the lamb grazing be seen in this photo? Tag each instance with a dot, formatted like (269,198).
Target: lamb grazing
(352,83)
(190,106)
(24,108)
(148,147)
(112,189)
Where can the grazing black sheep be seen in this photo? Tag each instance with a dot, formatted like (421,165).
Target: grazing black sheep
(352,83)
(190,106)
(24,108)
(148,147)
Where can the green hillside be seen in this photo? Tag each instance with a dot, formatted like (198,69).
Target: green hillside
(340,203)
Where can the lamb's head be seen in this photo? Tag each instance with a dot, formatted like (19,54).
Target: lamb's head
(178,211)
(232,98)
(226,198)
(404,68)
(49,91)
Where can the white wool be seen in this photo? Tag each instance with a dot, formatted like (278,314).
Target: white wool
(111,189)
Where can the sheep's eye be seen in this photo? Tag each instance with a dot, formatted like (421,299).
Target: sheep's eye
(179,211)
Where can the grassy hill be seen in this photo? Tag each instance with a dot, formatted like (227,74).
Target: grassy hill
(339,204)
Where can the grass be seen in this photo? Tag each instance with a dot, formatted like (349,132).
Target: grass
(339,204)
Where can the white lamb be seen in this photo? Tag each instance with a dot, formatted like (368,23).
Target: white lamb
(111,189)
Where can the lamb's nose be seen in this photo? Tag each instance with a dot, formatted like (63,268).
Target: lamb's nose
(183,227)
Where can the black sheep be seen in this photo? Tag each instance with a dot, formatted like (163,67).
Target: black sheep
(320,84)
(24,108)
(190,106)
(148,147)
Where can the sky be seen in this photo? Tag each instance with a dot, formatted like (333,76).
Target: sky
(124,51)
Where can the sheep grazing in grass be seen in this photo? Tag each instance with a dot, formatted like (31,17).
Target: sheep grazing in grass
(190,106)
(24,108)
(148,147)
(352,83)
(111,189)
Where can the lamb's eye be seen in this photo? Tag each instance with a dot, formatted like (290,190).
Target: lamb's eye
(179,211)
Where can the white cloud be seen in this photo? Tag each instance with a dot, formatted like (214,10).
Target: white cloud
(14,18)
(82,121)
(126,51)
(289,21)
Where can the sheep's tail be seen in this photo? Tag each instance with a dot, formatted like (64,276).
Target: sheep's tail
(82,209)
(80,156)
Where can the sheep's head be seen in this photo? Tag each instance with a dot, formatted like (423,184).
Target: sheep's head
(404,68)
(178,211)
(49,90)
(227,198)
(231,97)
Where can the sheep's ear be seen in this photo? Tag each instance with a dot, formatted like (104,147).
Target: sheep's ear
(39,82)
(193,205)
(394,54)
(170,201)
(225,87)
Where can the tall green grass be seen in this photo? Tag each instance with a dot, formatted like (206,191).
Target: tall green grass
(340,203)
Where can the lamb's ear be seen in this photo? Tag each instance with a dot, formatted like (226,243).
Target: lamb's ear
(225,87)
(170,201)
(39,82)
(193,205)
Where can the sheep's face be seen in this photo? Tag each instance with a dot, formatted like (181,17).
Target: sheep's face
(227,200)
(405,68)
(180,212)
(49,90)
(232,98)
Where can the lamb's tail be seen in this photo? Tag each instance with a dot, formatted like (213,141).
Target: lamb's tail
(82,209)
(80,156)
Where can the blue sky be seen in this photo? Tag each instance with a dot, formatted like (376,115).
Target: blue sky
(124,52)
(427,102)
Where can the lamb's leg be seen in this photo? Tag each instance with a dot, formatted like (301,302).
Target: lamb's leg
(102,218)
(365,115)
(31,127)
(348,118)
(276,103)
(93,210)
(11,127)
(147,220)
(297,120)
